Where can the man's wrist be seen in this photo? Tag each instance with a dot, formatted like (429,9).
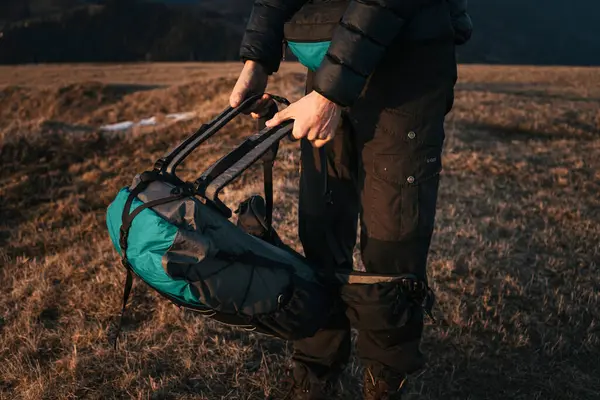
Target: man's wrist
(256,66)
(325,100)
(327,97)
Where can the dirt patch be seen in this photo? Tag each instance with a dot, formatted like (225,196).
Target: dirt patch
(89,105)
(71,103)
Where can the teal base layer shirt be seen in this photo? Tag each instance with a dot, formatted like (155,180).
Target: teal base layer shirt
(310,54)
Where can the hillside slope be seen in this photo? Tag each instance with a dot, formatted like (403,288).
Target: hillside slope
(514,261)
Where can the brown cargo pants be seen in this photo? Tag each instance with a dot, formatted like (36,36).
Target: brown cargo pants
(383,170)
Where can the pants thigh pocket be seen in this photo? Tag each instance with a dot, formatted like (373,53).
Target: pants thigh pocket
(403,194)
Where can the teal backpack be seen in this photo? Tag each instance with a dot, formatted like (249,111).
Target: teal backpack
(177,237)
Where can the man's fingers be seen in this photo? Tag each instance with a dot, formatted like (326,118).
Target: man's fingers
(239,94)
(299,131)
(236,98)
(257,112)
(279,117)
(261,105)
(322,139)
(325,134)
(313,134)
(239,91)
(320,142)
(259,108)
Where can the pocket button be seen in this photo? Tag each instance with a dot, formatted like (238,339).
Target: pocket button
(411,135)
(410,179)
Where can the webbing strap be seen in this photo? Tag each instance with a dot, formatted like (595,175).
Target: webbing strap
(126,292)
(268,188)
(169,162)
(126,221)
(334,245)
(123,236)
(211,192)
(268,162)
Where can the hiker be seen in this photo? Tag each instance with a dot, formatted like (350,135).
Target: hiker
(377,93)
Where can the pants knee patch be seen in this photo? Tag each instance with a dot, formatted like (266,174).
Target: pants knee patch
(376,306)
(386,305)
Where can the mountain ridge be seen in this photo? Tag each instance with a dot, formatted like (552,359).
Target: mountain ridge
(507,32)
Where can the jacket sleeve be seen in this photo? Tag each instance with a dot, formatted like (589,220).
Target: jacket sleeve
(366,30)
(263,38)
(461,21)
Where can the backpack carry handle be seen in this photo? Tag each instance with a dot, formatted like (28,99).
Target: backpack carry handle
(169,163)
(221,165)
(209,186)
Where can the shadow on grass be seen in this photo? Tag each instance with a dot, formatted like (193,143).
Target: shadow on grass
(514,133)
(522,90)
(128,88)
(40,176)
(522,305)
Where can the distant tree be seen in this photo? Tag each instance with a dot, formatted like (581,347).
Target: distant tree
(65,4)
(119,4)
(137,30)
(14,10)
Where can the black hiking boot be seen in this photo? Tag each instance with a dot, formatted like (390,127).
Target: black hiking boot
(320,390)
(383,387)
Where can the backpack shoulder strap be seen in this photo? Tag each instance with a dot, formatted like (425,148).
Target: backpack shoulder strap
(268,163)
(210,189)
(334,245)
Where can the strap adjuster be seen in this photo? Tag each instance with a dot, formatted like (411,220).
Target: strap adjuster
(159,164)
(328,198)
(419,293)
(148,176)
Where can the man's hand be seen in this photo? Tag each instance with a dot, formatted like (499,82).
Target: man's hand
(253,80)
(315,117)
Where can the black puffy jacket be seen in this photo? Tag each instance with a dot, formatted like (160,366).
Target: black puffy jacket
(361,33)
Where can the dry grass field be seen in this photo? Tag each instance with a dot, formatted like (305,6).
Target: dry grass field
(514,262)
